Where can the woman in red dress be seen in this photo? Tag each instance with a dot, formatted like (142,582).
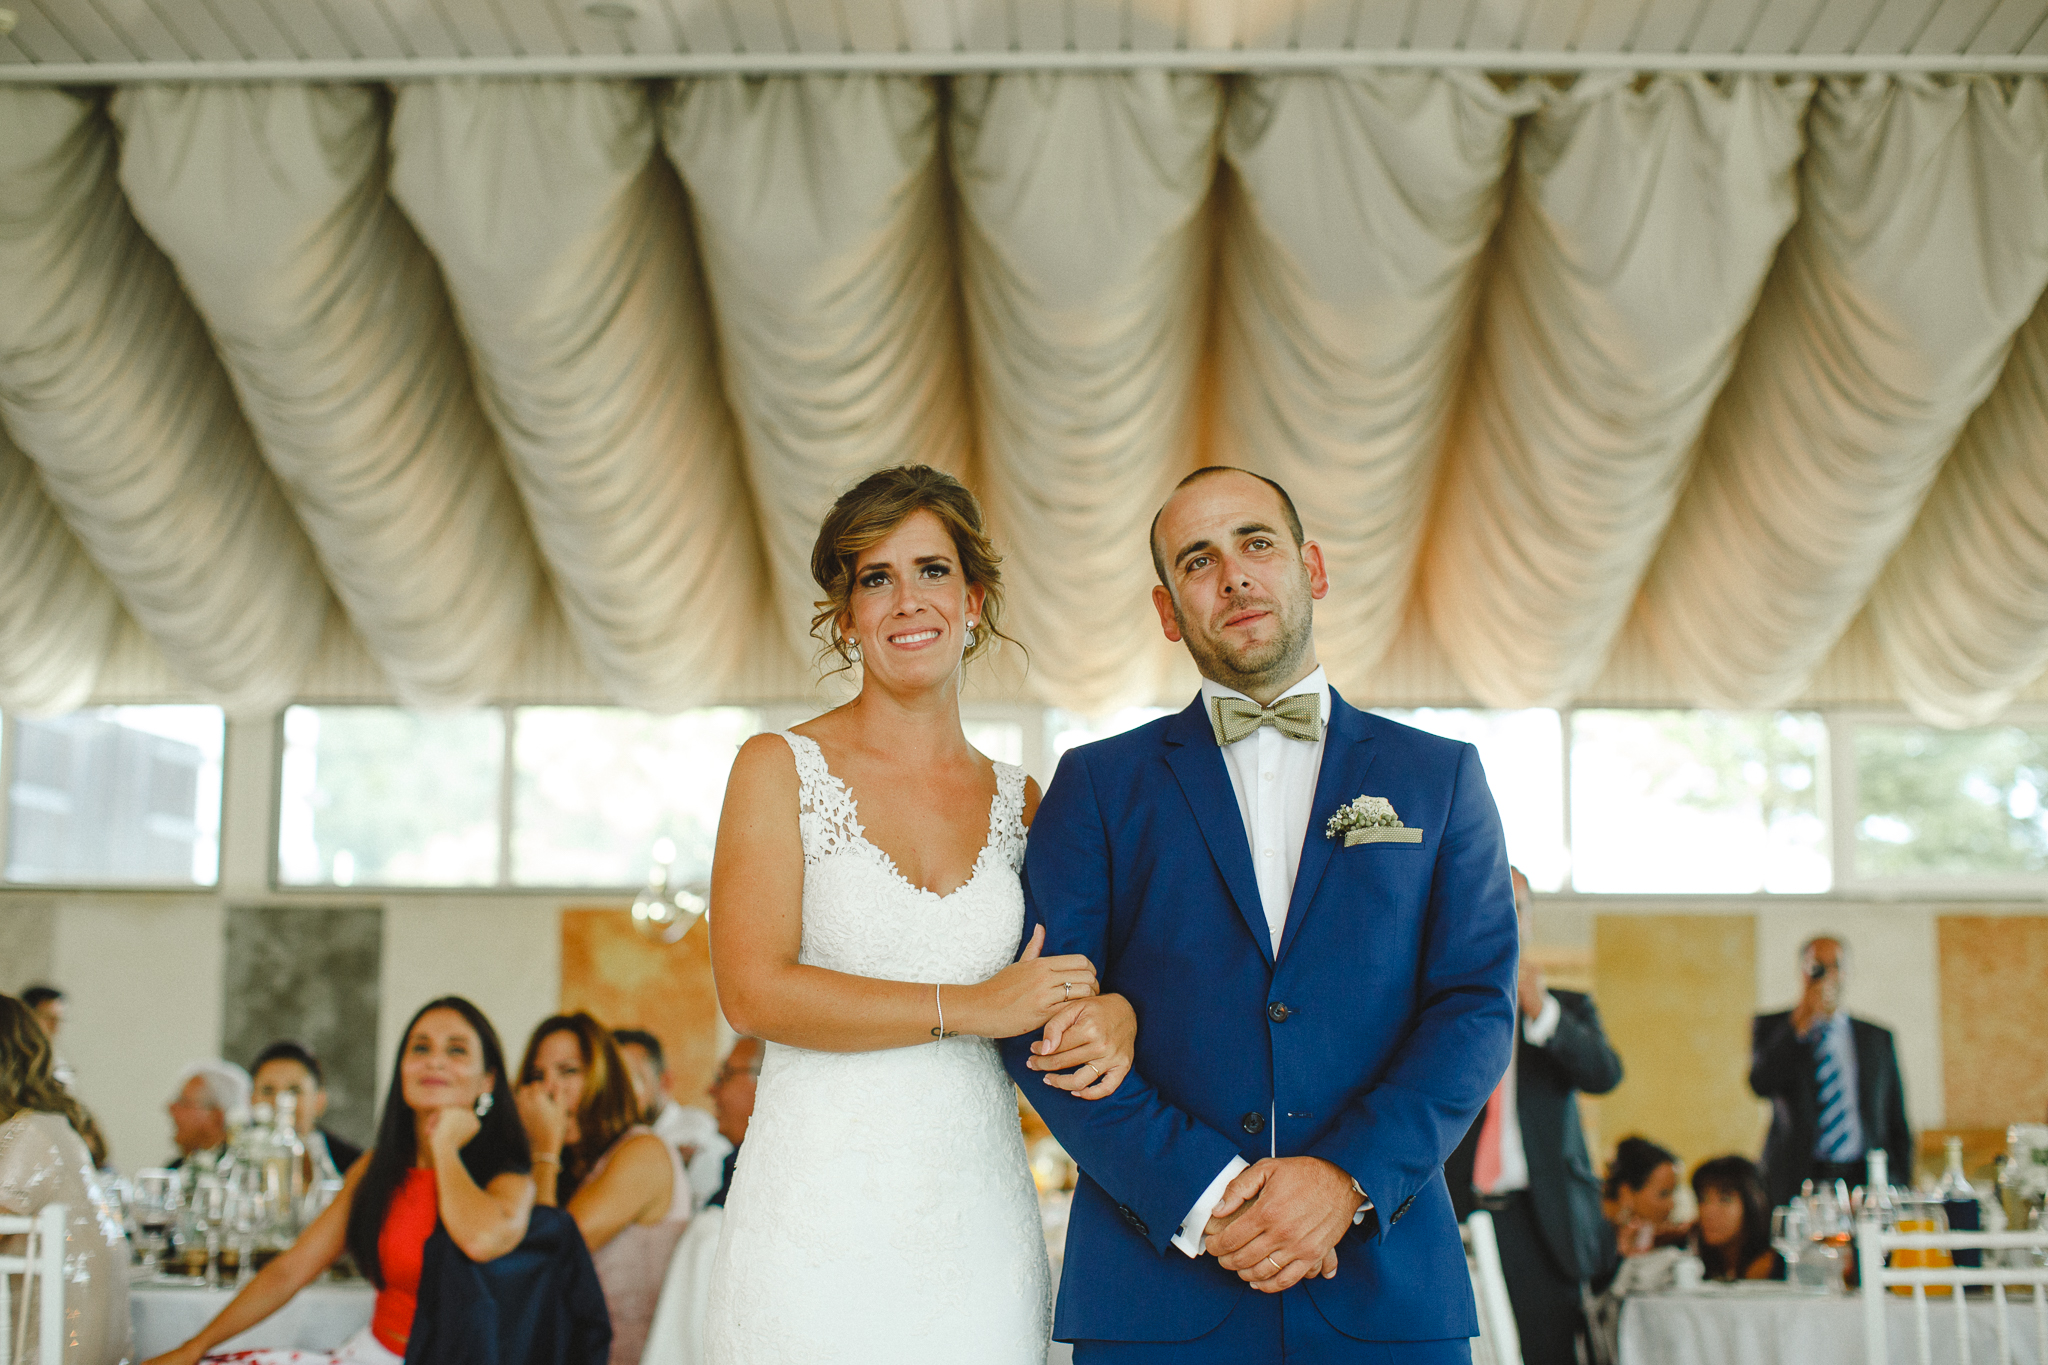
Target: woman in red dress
(450,1150)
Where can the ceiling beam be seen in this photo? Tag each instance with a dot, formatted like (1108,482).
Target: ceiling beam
(657,65)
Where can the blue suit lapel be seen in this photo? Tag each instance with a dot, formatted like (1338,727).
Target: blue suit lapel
(1198,764)
(1347,753)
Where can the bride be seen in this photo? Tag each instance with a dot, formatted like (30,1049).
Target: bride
(866,911)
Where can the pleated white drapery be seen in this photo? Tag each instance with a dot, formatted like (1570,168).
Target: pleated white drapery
(1675,390)
(108,382)
(1358,214)
(327,311)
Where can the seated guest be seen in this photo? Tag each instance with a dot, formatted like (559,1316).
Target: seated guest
(593,1156)
(1642,1184)
(208,1096)
(45,1159)
(1733,1234)
(286,1067)
(450,1153)
(685,1127)
(47,1003)
(732,1090)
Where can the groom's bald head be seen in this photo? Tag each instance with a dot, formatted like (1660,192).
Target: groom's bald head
(1210,471)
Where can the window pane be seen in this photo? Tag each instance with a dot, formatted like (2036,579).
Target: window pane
(596,786)
(117,796)
(1523,754)
(1698,801)
(1951,803)
(1001,740)
(383,796)
(1071,729)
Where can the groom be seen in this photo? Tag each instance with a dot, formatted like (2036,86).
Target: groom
(1320,1018)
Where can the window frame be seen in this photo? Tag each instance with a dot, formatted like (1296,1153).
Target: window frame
(10,749)
(774,716)
(1842,832)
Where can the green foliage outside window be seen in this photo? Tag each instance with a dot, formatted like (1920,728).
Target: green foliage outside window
(1941,803)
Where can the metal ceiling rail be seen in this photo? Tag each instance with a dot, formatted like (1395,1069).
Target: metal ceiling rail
(654,65)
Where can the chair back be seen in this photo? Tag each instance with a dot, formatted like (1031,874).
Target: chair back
(2011,1261)
(1498,1340)
(39,1271)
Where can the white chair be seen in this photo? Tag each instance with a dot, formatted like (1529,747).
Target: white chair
(1878,1278)
(676,1336)
(1498,1342)
(40,1268)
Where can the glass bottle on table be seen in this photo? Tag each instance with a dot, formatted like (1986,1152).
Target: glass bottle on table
(1959,1201)
(287,1155)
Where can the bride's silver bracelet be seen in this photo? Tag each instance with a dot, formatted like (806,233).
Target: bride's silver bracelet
(941,1031)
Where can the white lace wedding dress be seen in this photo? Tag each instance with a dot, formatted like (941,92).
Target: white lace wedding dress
(881,1208)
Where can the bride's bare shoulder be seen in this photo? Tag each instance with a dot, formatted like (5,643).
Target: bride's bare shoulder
(763,766)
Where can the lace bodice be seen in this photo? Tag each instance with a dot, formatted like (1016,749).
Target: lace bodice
(864,917)
(861,1171)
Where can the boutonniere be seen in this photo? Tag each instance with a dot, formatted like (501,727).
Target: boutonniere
(1369,820)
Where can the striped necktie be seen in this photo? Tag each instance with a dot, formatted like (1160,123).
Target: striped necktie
(1836,1117)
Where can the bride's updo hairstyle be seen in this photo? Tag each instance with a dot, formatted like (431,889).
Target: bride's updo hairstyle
(866,514)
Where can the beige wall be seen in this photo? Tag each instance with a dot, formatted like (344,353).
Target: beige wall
(1677,993)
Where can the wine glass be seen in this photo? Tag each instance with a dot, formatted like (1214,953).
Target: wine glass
(158,1195)
(1788,1237)
(1830,1226)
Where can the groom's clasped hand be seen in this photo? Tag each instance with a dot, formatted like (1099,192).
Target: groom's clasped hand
(1279,1222)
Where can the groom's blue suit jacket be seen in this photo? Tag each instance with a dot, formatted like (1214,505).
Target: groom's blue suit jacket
(1371,1039)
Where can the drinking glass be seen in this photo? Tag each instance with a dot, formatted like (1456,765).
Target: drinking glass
(158,1195)
(1921,1215)
(1788,1238)
(1830,1229)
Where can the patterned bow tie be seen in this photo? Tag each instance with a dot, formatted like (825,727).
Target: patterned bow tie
(1297,717)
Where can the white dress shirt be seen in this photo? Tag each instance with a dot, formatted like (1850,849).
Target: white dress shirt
(1274,778)
(1514,1158)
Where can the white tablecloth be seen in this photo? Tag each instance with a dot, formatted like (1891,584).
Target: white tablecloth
(319,1317)
(1772,1324)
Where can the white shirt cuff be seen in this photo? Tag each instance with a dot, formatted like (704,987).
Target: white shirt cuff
(1540,1029)
(1189,1238)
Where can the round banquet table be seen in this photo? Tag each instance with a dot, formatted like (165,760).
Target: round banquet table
(1774,1324)
(319,1317)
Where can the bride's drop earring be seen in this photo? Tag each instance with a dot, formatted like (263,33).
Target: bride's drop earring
(970,634)
(484,1103)
(852,649)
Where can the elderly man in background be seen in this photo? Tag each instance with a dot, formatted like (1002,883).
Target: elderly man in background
(289,1068)
(1525,1159)
(1832,1080)
(732,1090)
(209,1095)
(685,1127)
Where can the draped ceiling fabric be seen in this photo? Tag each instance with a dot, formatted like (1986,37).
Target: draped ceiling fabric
(1669,390)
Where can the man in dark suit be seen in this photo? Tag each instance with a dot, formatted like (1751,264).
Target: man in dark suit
(1833,1083)
(1525,1160)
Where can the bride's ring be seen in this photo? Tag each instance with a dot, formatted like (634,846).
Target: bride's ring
(1066,990)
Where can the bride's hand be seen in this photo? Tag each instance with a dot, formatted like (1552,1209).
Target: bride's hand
(1023,995)
(1088,1047)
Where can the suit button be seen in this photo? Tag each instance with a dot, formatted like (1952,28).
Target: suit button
(1278,1012)
(1253,1123)
(1131,1217)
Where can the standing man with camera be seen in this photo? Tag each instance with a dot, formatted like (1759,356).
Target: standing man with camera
(1833,1083)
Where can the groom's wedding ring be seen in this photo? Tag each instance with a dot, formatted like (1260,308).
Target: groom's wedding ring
(1277,1267)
